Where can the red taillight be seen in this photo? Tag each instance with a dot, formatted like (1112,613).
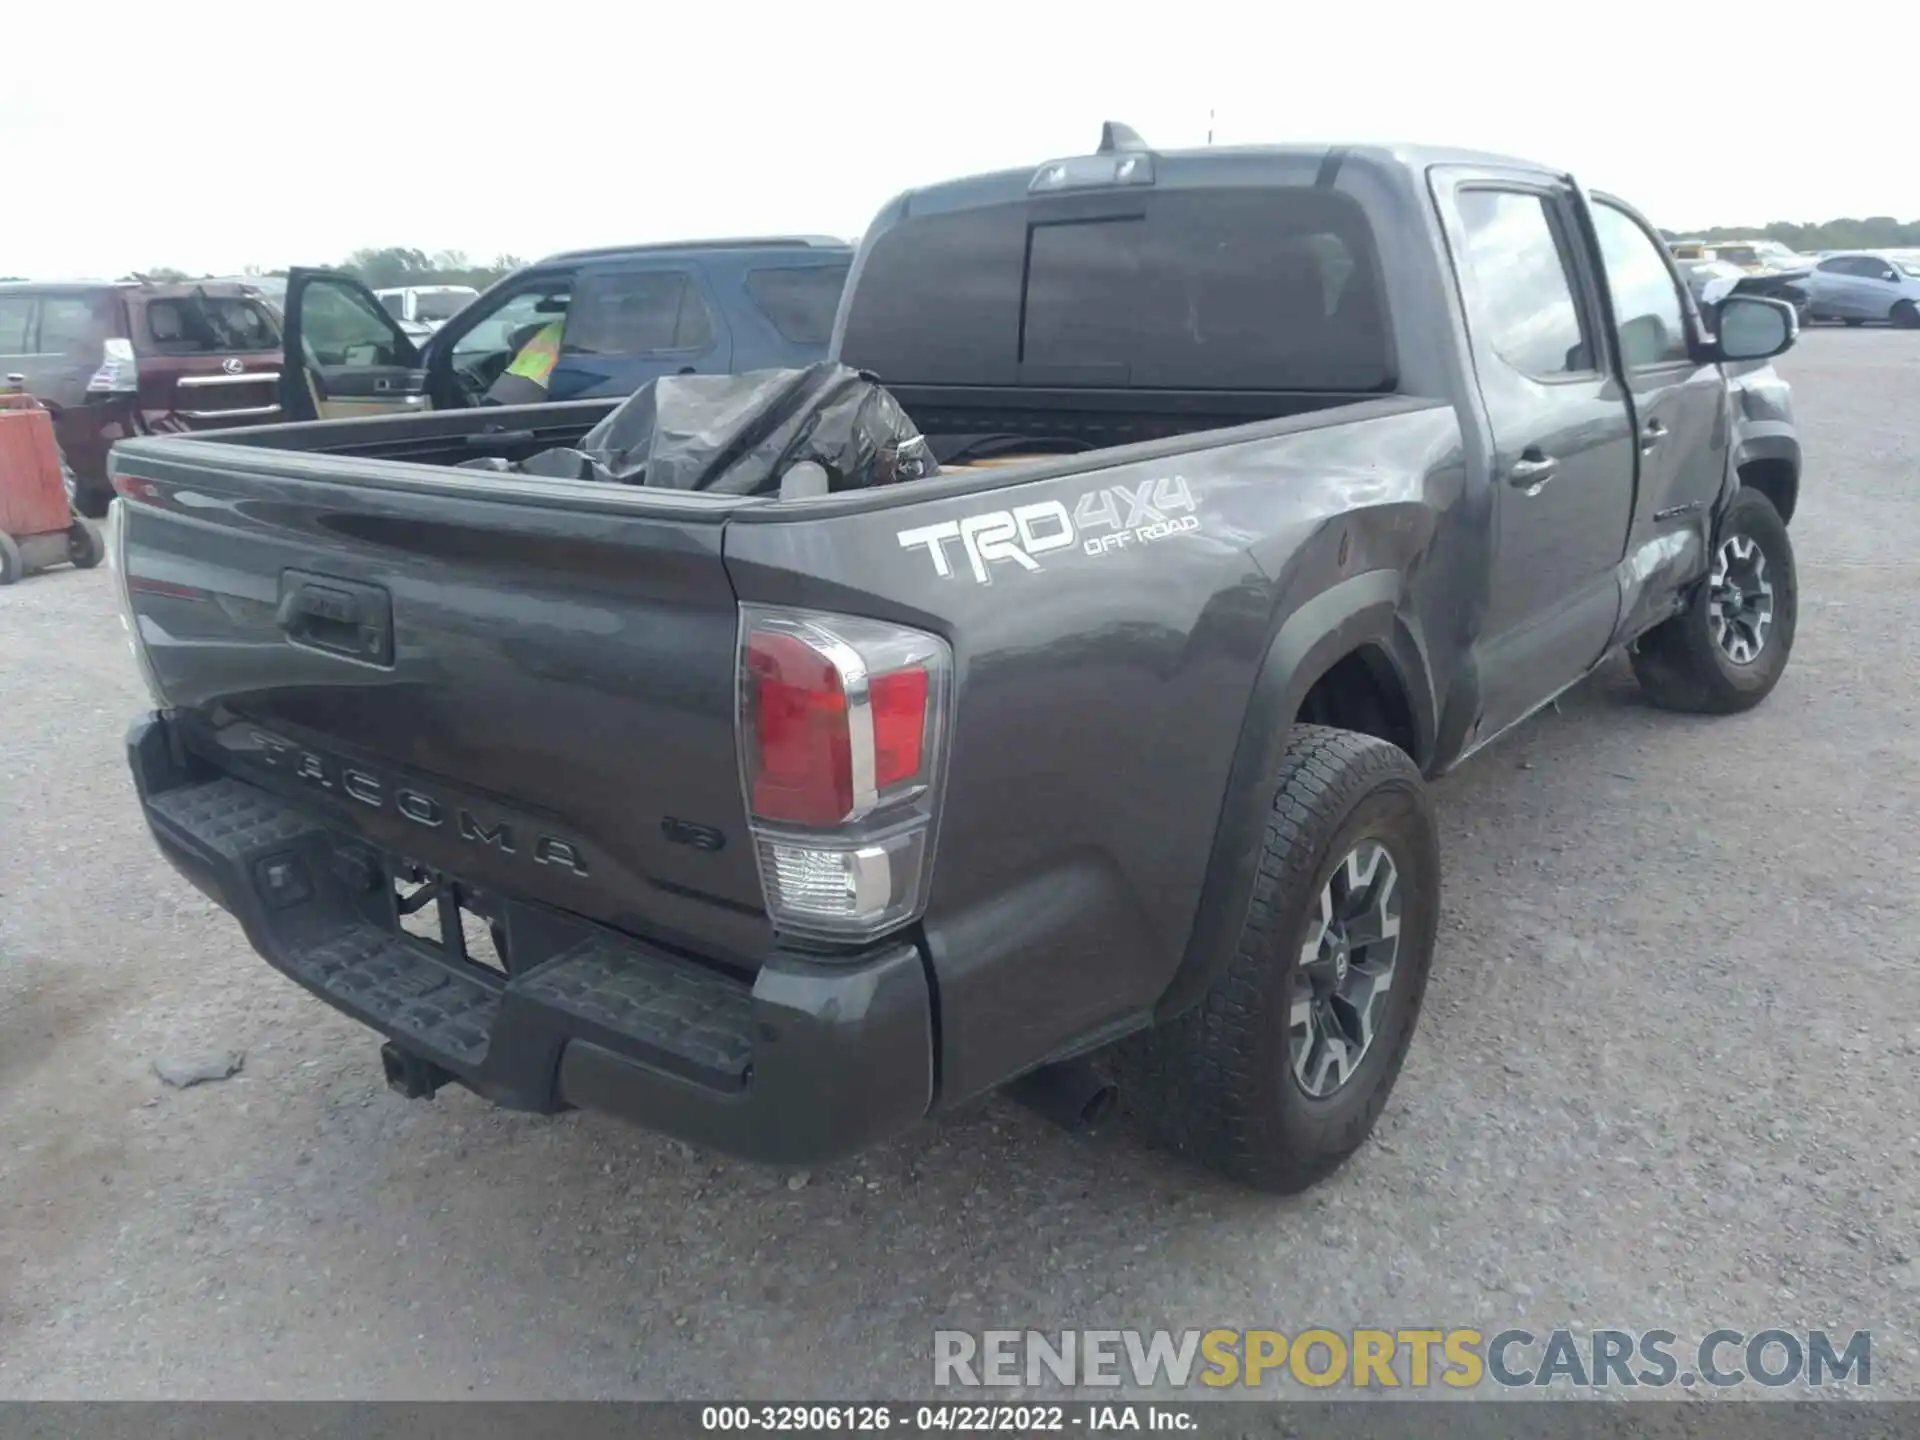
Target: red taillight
(801,755)
(899,724)
(841,738)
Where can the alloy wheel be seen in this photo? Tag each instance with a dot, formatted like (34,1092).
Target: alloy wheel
(1740,599)
(1345,976)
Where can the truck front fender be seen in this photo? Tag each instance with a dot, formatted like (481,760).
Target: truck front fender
(1766,456)
(1359,614)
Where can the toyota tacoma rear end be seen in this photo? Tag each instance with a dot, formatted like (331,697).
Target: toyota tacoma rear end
(1273,483)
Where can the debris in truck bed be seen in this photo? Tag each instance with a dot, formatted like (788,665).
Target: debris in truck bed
(742,434)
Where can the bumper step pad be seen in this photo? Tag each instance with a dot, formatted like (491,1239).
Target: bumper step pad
(648,1007)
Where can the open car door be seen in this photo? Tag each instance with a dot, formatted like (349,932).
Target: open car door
(345,355)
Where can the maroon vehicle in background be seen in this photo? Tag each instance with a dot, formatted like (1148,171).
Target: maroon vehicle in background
(114,359)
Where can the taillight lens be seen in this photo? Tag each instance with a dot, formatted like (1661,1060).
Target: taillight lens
(842,738)
(129,620)
(119,372)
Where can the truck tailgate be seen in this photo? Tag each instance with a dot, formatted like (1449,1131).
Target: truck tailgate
(523,687)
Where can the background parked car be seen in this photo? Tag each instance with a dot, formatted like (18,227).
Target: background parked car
(1711,281)
(1755,257)
(1855,286)
(631,314)
(113,359)
(423,309)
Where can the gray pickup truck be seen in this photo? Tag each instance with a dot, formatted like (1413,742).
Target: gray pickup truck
(1274,481)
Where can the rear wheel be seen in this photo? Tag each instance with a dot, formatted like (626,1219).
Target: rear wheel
(85,548)
(1281,1070)
(1727,650)
(1906,315)
(10,563)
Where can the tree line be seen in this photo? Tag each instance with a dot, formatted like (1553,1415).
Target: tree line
(1876,232)
(384,268)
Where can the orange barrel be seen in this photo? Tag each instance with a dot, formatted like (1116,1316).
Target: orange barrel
(32,499)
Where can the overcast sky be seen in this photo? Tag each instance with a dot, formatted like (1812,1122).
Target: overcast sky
(210,136)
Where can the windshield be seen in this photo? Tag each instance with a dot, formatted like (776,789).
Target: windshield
(200,324)
(437,305)
(1714,270)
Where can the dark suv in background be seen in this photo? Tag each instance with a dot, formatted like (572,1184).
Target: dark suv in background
(631,314)
(113,359)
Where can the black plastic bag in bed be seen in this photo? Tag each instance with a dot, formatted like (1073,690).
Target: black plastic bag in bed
(741,434)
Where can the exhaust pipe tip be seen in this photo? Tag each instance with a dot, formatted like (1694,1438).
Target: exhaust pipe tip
(1070,1093)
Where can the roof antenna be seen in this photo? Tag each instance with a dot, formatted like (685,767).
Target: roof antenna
(1115,137)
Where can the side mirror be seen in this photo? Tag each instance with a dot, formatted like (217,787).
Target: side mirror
(1889,274)
(1755,328)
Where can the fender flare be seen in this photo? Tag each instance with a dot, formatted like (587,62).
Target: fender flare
(1359,611)
(1777,444)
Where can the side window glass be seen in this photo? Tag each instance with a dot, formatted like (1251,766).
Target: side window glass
(67,326)
(1646,302)
(509,325)
(16,318)
(799,301)
(637,312)
(1519,285)
(341,327)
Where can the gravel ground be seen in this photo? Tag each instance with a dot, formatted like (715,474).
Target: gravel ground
(1665,1078)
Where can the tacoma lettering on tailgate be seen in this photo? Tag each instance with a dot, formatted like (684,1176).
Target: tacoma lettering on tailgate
(474,825)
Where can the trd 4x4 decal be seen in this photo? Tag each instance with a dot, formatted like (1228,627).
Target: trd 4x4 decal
(1117,517)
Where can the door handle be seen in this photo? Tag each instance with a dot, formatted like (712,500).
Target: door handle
(1532,471)
(1651,435)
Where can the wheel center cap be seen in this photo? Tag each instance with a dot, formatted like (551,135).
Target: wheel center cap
(1340,961)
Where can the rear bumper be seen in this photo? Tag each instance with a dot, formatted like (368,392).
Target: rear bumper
(808,1063)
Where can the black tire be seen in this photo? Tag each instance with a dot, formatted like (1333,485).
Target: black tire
(85,548)
(10,562)
(91,500)
(1906,315)
(1682,666)
(1218,1082)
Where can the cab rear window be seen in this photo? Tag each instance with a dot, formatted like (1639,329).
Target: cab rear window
(209,325)
(1270,288)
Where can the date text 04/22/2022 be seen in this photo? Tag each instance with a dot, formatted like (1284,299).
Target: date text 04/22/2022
(953,1417)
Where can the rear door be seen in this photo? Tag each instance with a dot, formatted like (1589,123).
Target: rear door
(1877,287)
(1563,443)
(1846,286)
(634,321)
(344,354)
